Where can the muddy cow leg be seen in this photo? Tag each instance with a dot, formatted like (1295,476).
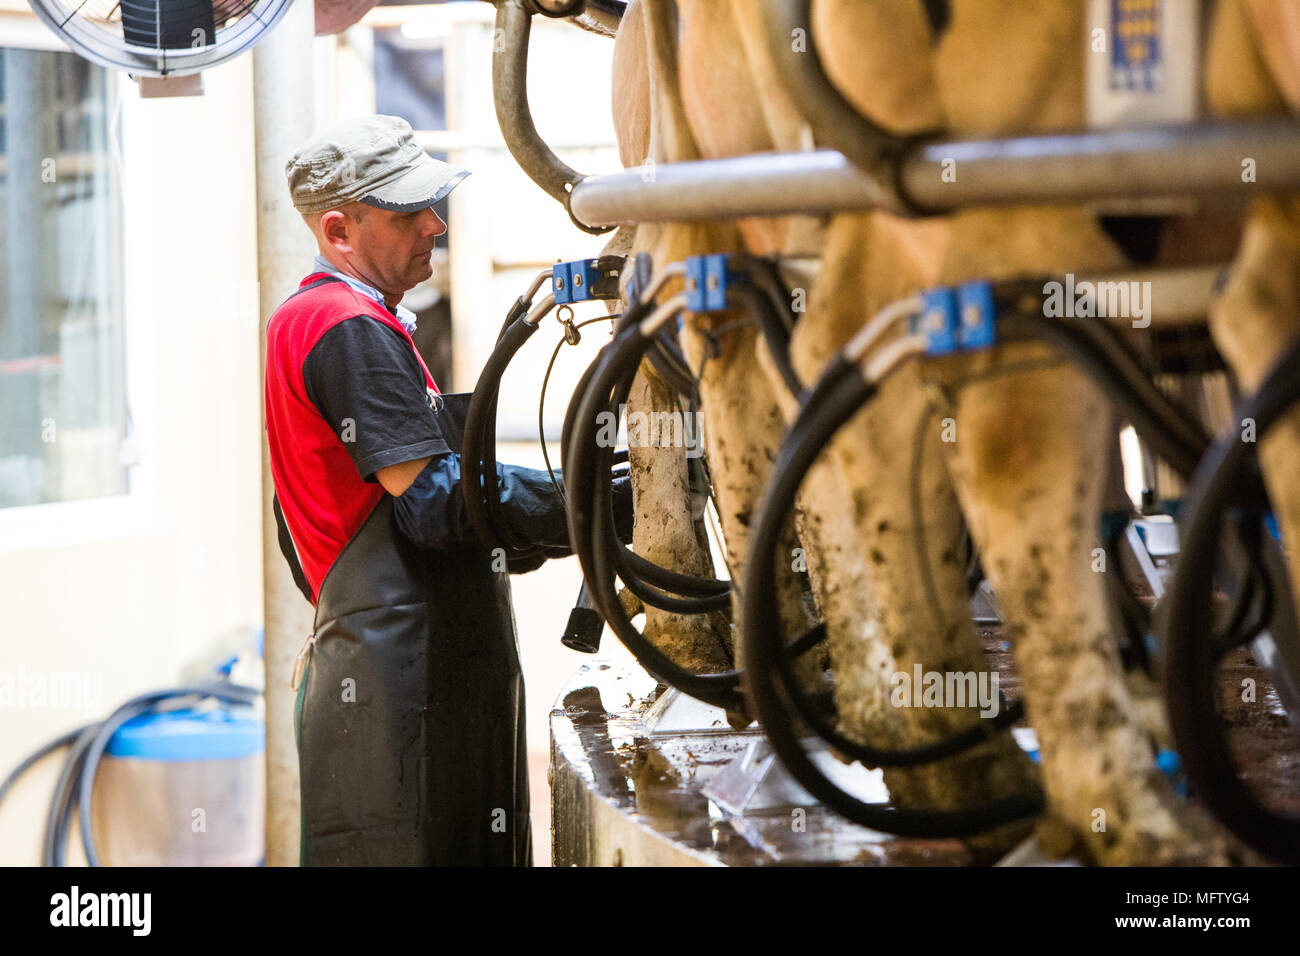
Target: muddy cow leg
(743,422)
(665,532)
(906,603)
(1025,461)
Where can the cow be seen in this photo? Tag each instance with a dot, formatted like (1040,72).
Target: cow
(729,100)
(1028,429)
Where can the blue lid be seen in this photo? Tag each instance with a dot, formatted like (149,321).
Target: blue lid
(183,735)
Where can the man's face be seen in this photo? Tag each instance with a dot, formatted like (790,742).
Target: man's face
(392,251)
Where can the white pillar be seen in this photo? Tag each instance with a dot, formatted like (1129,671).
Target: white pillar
(284,105)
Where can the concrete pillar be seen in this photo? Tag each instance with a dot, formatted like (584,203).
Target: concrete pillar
(284,114)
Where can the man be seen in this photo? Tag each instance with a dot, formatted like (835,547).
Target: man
(410,708)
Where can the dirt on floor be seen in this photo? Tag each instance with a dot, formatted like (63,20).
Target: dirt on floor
(1264,741)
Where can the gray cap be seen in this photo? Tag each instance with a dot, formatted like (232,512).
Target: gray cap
(369,159)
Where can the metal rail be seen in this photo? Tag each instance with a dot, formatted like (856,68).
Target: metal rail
(510,97)
(1141,164)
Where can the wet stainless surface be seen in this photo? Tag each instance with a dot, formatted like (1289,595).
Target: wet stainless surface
(622,795)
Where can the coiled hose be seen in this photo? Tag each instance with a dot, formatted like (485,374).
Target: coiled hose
(1223,481)
(76,781)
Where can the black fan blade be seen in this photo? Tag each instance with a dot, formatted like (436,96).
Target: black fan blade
(169,24)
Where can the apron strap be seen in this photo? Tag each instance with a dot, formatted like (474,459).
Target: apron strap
(289,551)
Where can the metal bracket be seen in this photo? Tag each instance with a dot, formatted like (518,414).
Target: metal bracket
(706,282)
(580,280)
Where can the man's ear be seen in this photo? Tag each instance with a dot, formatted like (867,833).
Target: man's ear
(336,230)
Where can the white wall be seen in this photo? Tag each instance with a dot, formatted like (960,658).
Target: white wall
(125,591)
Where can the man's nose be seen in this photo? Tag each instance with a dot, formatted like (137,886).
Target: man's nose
(433,224)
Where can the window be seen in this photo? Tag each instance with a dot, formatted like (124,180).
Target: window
(63,416)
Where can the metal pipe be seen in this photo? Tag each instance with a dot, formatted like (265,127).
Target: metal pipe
(596,16)
(1063,167)
(1114,164)
(541,309)
(510,94)
(662,314)
(835,122)
(541,277)
(604,15)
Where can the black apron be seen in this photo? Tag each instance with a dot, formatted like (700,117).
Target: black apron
(410,715)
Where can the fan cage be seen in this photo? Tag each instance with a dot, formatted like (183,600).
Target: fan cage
(93,29)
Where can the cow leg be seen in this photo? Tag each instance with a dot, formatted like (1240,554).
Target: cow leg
(744,422)
(665,533)
(1025,462)
(1253,322)
(905,604)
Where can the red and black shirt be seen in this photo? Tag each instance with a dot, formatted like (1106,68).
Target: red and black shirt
(346,395)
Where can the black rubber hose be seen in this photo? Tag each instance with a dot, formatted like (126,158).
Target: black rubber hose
(666,579)
(1151,414)
(77,777)
(1175,418)
(37,755)
(667,359)
(478,449)
(629,562)
(645,579)
(229,693)
(811,432)
(588,529)
(656,597)
(764,686)
(773,330)
(777,322)
(1191,691)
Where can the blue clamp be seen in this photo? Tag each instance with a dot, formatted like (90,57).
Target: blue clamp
(938,321)
(706,282)
(975,315)
(957,318)
(574,281)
